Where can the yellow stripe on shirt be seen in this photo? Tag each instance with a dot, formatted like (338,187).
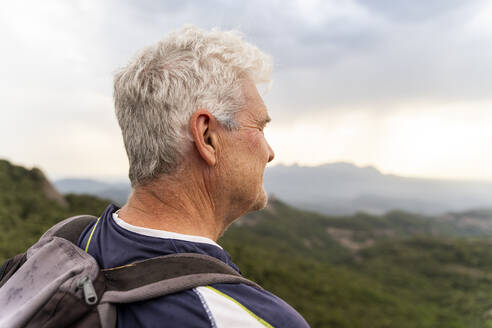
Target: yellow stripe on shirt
(90,237)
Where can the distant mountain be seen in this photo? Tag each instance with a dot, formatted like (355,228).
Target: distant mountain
(118,192)
(12,177)
(343,188)
(338,189)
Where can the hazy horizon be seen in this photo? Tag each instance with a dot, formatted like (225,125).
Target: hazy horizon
(124,178)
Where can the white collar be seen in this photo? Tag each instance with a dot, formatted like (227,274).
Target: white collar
(162,233)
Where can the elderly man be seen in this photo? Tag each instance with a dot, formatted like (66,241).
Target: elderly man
(192,123)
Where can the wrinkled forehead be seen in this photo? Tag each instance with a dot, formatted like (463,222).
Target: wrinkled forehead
(253,101)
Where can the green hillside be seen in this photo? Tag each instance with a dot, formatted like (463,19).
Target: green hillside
(29,205)
(397,270)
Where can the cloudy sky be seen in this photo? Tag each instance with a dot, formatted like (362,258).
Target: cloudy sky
(405,86)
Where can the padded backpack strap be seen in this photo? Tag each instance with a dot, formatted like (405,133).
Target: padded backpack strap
(71,228)
(10,267)
(165,275)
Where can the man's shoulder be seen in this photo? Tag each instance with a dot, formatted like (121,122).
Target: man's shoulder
(216,305)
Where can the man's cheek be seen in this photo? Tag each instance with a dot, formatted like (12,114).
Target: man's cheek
(254,140)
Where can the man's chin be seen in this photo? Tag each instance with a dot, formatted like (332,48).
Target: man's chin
(261,201)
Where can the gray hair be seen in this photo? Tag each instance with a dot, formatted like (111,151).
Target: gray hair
(156,94)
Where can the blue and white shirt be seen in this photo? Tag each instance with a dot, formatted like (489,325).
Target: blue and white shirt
(113,242)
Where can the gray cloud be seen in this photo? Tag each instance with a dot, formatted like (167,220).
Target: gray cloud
(368,52)
(415,11)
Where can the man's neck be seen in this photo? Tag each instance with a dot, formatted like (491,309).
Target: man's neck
(175,207)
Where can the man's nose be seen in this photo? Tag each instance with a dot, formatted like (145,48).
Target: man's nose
(271,154)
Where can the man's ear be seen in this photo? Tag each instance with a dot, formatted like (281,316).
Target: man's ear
(203,128)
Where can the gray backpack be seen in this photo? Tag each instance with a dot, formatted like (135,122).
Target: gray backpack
(56,284)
